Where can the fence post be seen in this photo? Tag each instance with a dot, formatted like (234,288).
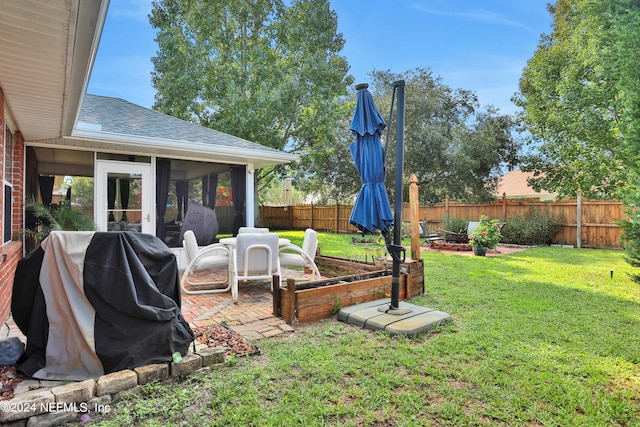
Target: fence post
(414,217)
(446,206)
(504,207)
(290,217)
(579,219)
(312,216)
(337,219)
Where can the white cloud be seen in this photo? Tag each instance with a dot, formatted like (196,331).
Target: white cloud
(480,15)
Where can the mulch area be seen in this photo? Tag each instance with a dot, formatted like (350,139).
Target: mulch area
(221,336)
(9,379)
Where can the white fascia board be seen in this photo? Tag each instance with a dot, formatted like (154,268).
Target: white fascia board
(85,39)
(187,146)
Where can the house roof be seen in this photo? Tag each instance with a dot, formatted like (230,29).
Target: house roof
(47,55)
(514,184)
(121,126)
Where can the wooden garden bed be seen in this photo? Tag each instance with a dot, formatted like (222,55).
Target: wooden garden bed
(353,283)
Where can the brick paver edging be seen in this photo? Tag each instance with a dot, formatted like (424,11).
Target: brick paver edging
(68,402)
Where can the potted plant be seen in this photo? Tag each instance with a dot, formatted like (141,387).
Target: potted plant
(485,236)
(55,217)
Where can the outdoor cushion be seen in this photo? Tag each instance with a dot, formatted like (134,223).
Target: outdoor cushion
(202,221)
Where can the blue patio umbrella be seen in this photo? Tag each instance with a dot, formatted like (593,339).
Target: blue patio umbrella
(372,210)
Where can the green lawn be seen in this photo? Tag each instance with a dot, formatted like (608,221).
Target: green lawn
(540,337)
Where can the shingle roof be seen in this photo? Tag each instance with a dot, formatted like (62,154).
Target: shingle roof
(118,126)
(117,116)
(514,184)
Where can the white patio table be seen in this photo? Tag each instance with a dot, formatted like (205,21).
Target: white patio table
(231,241)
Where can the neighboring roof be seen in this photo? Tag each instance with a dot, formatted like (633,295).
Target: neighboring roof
(45,62)
(514,184)
(117,125)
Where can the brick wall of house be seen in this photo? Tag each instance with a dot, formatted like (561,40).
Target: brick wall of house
(18,183)
(11,252)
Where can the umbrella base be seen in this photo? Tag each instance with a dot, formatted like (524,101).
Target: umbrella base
(374,315)
(394,311)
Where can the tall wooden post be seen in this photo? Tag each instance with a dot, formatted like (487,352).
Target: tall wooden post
(579,219)
(504,207)
(337,218)
(446,206)
(414,217)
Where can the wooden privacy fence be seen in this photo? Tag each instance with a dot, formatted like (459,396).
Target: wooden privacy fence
(594,220)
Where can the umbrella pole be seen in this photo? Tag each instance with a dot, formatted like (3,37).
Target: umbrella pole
(410,319)
(396,250)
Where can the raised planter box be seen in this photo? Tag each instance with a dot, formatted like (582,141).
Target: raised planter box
(451,246)
(451,237)
(355,283)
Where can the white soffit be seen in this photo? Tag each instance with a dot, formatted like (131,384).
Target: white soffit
(47,52)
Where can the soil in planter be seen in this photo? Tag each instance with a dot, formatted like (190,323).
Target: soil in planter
(343,279)
(451,246)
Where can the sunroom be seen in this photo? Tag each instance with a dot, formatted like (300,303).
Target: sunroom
(135,169)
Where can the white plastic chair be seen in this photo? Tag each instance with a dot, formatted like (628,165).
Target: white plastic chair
(209,258)
(472,225)
(246,230)
(255,257)
(293,255)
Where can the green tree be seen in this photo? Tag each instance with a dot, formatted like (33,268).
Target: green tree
(257,69)
(82,190)
(627,35)
(455,146)
(571,105)
(328,174)
(580,95)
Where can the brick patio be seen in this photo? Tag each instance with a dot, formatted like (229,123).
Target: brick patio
(251,317)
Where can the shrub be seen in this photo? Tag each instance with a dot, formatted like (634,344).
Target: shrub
(454,225)
(537,228)
(60,217)
(486,234)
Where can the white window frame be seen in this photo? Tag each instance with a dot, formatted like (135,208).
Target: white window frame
(7,171)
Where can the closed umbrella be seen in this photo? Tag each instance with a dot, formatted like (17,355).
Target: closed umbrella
(372,210)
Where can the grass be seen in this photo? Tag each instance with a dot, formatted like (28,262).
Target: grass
(540,337)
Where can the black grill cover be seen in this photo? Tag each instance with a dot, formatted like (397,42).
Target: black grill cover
(94,303)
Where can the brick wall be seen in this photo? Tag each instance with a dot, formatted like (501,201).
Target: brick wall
(18,183)
(11,252)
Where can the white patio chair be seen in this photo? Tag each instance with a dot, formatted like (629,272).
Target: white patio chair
(246,230)
(472,225)
(208,259)
(255,257)
(293,255)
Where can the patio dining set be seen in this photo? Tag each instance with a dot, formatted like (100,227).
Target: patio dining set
(255,254)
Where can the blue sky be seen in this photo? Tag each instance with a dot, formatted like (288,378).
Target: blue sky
(477,45)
